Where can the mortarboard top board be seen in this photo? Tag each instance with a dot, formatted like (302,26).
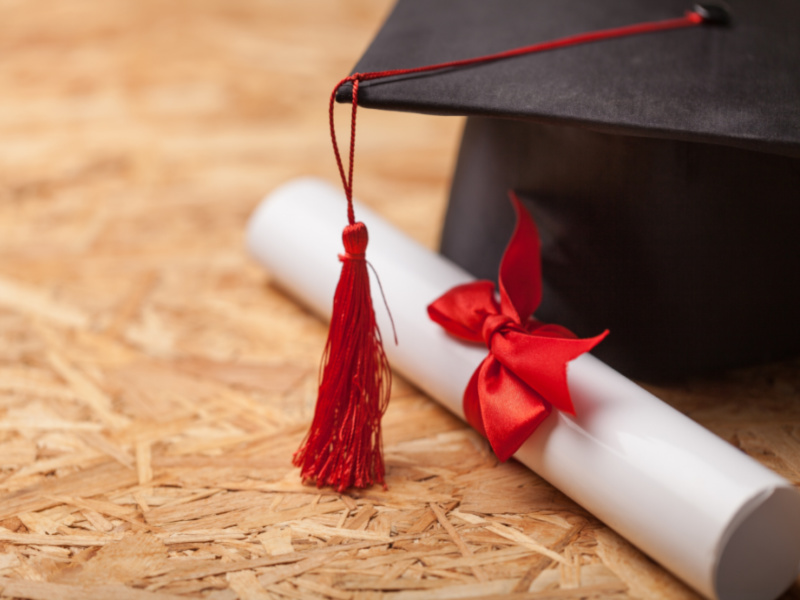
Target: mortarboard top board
(663,169)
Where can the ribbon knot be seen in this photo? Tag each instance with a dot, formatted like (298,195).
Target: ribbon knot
(493,324)
(525,373)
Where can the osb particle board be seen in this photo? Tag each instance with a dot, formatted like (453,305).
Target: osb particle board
(153,383)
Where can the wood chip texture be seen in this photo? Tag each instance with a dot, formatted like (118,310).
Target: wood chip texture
(154,383)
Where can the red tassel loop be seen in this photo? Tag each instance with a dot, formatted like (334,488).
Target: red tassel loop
(343,447)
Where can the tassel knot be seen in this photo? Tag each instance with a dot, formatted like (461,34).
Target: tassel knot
(355,238)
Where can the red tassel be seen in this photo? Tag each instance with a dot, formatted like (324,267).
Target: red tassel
(343,446)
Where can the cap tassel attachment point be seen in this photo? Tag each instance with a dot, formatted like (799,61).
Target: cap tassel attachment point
(343,448)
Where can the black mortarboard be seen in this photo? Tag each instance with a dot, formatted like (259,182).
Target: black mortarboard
(663,169)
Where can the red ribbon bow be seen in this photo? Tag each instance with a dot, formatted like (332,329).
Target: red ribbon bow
(512,391)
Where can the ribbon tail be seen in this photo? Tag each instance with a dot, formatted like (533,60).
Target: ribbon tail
(510,410)
(541,362)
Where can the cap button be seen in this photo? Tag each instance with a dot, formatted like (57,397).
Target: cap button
(712,14)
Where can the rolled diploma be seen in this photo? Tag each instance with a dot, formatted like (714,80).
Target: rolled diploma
(706,511)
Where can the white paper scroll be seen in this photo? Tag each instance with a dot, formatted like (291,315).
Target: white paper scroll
(707,512)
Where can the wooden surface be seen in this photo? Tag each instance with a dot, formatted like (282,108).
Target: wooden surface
(153,384)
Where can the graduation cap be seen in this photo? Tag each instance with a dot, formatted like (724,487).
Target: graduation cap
(663,169)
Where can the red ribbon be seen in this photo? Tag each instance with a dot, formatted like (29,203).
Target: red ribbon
(525,373)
